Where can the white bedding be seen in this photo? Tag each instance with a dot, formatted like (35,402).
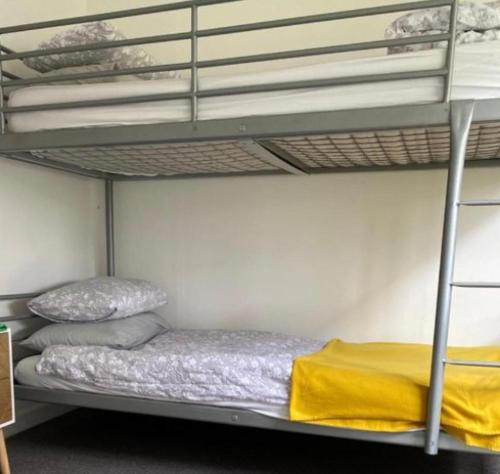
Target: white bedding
(248,368)
(26,375)
(477,75)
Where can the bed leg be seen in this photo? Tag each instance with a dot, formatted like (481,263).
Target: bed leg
(4,460)
(461,119)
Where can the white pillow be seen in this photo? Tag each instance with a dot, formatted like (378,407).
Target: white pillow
(96,32)
(97,299)
(117,334)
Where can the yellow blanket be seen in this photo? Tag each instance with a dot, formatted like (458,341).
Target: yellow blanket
(383,387)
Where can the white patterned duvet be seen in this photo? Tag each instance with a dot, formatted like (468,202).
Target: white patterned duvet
(207,366)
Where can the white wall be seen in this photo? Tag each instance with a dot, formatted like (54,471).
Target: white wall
(265,41)
(49,221)
(352,256)
(348,255)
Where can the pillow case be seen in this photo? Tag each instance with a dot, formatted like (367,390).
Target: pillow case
(97,299)
(96,32)
(118,334)
(477,22)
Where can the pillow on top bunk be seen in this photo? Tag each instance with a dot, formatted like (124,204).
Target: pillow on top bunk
(116,334)
(477,22)
(97,299)
(97,32)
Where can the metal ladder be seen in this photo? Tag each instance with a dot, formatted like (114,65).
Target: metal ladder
(461,114)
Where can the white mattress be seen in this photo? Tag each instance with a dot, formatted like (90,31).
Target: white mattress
(25,374)
(477,75)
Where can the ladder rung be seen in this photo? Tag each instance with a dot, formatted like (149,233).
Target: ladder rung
(473,363)
(481,202)
(479,284)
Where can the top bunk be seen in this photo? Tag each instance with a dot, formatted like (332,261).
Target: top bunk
(100,106)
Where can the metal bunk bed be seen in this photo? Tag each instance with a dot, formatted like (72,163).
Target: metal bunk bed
(396,138)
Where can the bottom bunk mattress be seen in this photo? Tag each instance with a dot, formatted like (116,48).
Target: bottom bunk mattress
(244,369)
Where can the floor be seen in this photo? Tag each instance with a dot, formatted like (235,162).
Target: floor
(90,441)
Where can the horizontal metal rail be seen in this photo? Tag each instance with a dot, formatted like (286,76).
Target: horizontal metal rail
(19,296)
(232,416)
(251,127)
(98,102)
(342,48)
(473,363)
(338,81)
(229,91)
(343,15)
(10,76)
(479,284)
(111,15)
(4,49)
(96,46)
(481,202)
(188,4)
(94,75)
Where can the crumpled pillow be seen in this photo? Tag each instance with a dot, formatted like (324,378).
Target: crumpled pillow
(98,299)
(477,22)
(124,57)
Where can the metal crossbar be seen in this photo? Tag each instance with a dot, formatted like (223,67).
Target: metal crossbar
(183,5)
(473,363)
(18,296)
(480,202)
(478,284)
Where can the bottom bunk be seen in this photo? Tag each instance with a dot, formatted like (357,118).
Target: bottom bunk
(235,377)
(224,415)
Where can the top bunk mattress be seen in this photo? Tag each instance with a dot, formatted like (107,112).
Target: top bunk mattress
(476,76)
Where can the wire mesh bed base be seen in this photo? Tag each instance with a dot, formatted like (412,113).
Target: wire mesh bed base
(230,416)
(309,153)
(409,137)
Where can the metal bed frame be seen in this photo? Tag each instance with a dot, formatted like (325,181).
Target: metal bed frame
(434,135)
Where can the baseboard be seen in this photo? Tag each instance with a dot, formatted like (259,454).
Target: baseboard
(30,414)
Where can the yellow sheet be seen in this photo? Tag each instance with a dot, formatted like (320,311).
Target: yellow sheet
(383,387)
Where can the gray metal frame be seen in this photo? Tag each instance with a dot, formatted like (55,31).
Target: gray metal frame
(258,131)
(230,416)
(195,130)
(461,119)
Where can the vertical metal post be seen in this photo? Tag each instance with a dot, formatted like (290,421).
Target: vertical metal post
(461,119)
(194,62)
(2,100)
(450,51)
(110,228)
